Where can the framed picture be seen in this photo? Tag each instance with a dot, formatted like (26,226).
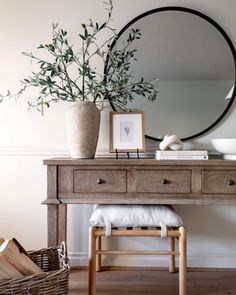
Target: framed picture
(127,131)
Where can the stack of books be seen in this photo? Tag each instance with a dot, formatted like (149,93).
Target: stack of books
(181,155)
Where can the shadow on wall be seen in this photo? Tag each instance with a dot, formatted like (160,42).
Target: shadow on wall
(78,224)
(212,222)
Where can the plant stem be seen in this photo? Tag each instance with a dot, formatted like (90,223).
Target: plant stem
(83,61)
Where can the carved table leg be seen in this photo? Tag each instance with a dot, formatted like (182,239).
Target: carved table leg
(62,223)
(53,205)
(52,225)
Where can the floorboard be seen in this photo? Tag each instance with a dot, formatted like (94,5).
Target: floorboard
(154,282)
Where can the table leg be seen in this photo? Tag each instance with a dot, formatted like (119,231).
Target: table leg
(52,225)
(62,223)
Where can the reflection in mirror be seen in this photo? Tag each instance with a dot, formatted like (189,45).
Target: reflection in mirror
(194,62)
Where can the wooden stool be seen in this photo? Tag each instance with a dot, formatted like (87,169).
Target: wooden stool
(95,250)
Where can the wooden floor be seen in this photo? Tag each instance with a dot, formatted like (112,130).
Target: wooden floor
(154,282)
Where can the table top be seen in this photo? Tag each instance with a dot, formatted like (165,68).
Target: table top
(136,162)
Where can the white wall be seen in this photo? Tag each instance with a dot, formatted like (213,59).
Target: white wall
(26,138)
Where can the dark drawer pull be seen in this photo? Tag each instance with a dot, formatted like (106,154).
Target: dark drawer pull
(230,182)
(164,181)
(100,181)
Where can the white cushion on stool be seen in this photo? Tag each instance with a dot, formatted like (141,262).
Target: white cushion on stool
(135,216)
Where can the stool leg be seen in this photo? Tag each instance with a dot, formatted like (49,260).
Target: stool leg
(171,241)
(92,262)
(98,256)
(182,262)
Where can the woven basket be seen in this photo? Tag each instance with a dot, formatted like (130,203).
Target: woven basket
(55,280)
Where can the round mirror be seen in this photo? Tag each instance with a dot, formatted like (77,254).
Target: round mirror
(194,61)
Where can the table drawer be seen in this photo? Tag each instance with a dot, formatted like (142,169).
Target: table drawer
(163,181)
(219,182)
(99,181)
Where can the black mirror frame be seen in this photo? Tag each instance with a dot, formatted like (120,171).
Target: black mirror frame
(217,26)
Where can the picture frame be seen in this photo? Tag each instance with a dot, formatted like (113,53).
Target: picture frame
(127,132)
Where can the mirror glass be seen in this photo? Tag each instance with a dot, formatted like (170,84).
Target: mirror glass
(194,62)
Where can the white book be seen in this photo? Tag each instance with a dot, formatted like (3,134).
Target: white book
(181,157)
(182,153)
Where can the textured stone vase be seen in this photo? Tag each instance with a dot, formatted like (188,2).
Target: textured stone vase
(83,121)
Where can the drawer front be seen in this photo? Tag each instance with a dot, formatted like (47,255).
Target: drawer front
(219,182)
(99,181)
(163,181)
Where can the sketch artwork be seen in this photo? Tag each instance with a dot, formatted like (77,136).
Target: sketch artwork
(126,131)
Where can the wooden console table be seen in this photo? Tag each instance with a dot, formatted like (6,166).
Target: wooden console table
(137,181)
